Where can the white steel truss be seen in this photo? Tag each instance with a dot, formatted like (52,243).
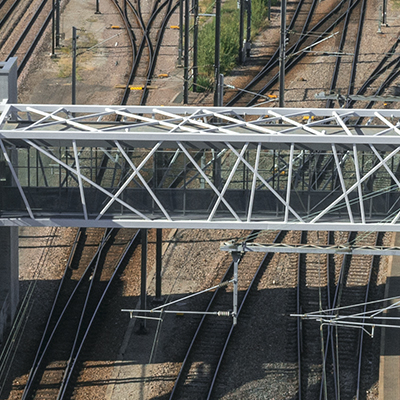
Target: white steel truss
(189,167)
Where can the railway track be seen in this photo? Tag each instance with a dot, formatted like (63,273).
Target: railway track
(146,27)
(312,32)
(311,293)
(57,361)
(7,8)
(346,20)
(22,27)
(199,371)
(334,283)
(353,289)
(350,32)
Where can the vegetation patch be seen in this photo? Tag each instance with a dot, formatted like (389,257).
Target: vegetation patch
(229,36)
(85,41)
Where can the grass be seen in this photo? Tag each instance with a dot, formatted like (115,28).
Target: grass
(85,41)
(229,35)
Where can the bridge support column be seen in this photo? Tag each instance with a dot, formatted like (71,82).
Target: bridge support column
(9,283)
(8,81)
(158,298)
(143,293)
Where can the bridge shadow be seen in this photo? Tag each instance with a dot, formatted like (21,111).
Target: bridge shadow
(261,361)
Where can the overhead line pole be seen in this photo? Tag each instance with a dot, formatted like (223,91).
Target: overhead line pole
(241,30)
(195,44)
(186,56)
(248,37)
(143,279)
(180,33)
(282,55)
(57,23)
(73,100)
(53,29)
(158,263)
(217,66)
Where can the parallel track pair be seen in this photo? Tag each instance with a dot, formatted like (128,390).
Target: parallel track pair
(75,308)
(328,284)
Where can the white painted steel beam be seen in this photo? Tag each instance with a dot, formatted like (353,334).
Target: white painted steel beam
(310,249)
(361,194)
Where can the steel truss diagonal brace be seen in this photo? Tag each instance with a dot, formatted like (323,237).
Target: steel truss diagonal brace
(228,181)
(136,172)
(207,179)
(126,183)
(78,170)
(392,175)
(265,182)
(66,121)
(366,176)
(15,176)
(342,184)
(75,172)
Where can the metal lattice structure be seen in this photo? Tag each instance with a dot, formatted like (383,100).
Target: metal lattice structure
(190,167)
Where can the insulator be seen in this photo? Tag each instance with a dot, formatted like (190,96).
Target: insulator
(224,314)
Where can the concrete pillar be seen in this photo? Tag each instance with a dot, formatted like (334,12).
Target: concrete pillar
(9,283)
(8,80)
(9,263)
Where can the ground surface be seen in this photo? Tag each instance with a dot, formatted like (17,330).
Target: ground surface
(47,80)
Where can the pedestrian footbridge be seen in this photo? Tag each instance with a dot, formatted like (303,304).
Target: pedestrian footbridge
(199,167)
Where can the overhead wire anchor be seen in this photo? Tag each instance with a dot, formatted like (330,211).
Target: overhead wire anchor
(161,308)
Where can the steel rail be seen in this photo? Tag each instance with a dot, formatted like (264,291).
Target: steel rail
(379,70)
(146,27)
(64,382)
(329,102)
(329,337)
(9,11)
(48,336)
(296,59)
(298,322)
(145,39)
(277,239)
(357,48)
(274,59)
(28,28)
(331,283)
(72,362)
(273,62)
(33,45)
(391,77)
(362,333)
(26,31)
(15,335)
(51,314)
(2,2)
(335,74)
(153,59)
(395,72)
(341,286)
(196,335)
(133,46)
(132,41)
